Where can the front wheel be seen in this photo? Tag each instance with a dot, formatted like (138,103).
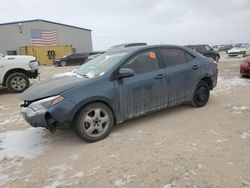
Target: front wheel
(201,94)
(94,122)
(17,82)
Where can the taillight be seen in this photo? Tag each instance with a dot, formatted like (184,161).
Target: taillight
(215,63)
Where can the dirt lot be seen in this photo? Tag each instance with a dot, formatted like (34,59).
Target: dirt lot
(177,147)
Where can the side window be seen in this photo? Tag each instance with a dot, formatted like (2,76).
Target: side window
(200,48)
(208,48)
(144,62)
(171,56)
(189,57)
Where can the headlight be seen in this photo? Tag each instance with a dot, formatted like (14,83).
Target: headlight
(33,64)
(46,103)
(245,64)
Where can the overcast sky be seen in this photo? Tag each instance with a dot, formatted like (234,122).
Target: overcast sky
(152,21)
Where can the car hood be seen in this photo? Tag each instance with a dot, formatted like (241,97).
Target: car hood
(20,57)
(52,86)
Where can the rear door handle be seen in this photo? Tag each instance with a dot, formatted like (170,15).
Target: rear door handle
(160,76)
(195,67)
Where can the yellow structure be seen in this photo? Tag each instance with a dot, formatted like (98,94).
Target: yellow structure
(46,54)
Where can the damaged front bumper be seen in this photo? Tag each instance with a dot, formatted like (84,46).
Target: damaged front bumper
(56,117)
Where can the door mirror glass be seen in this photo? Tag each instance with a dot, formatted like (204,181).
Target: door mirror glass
(125,72)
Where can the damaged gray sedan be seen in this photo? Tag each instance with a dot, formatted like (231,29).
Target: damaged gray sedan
(117,86)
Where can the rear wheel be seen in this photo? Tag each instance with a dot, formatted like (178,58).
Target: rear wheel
(201,94)
(94,122)
(63,63)
(17,82)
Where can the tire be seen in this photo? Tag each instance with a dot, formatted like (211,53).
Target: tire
(63,63)
(94,122)
(17,82)
(201,94)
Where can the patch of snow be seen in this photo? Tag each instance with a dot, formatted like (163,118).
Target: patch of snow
(4,178)
(61,179)
(78,175)
(245,184)
(221,140)
(75,157)
(167,186)
(5,122)
(227,83)
(113,156)
(67,74)
(245,135)
(239,109)
(28,143)
(213,132)
(11,120)
(93,170)
(59,176)
(124,180)
(2,107)
(200,166)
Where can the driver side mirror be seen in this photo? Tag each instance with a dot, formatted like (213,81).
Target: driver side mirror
(125,72)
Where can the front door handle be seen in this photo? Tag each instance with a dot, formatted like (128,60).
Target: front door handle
(195,67)
(160,76)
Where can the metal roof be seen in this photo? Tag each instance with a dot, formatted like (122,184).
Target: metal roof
(41,20)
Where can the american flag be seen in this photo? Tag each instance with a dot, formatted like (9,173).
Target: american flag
(44,37)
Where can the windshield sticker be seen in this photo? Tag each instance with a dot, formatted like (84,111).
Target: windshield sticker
(104,64)
(152,55)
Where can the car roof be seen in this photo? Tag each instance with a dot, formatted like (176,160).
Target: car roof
(135,49)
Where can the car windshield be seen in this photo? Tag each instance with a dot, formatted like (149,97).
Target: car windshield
(99,65)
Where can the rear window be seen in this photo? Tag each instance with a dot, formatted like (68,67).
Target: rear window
(172,56)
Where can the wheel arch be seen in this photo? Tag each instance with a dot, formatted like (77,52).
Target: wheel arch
(207,78)
(11,71)
(85,103)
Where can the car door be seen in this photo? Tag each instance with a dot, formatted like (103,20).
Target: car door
(182,71)
(142,92)
(3,67)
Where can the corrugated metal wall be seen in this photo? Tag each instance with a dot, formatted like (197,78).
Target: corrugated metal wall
(14,36)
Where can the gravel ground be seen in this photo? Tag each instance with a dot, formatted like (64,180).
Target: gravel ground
(178,147)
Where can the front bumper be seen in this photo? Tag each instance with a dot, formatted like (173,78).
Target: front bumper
(35,119)
(56,117)
(33,74)
(245,71)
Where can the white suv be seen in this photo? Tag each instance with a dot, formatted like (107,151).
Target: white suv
(15,72)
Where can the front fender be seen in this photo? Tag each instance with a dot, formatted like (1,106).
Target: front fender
(86,101)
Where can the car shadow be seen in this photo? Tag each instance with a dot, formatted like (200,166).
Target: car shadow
(129,124)
(4,91)
(70,137)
